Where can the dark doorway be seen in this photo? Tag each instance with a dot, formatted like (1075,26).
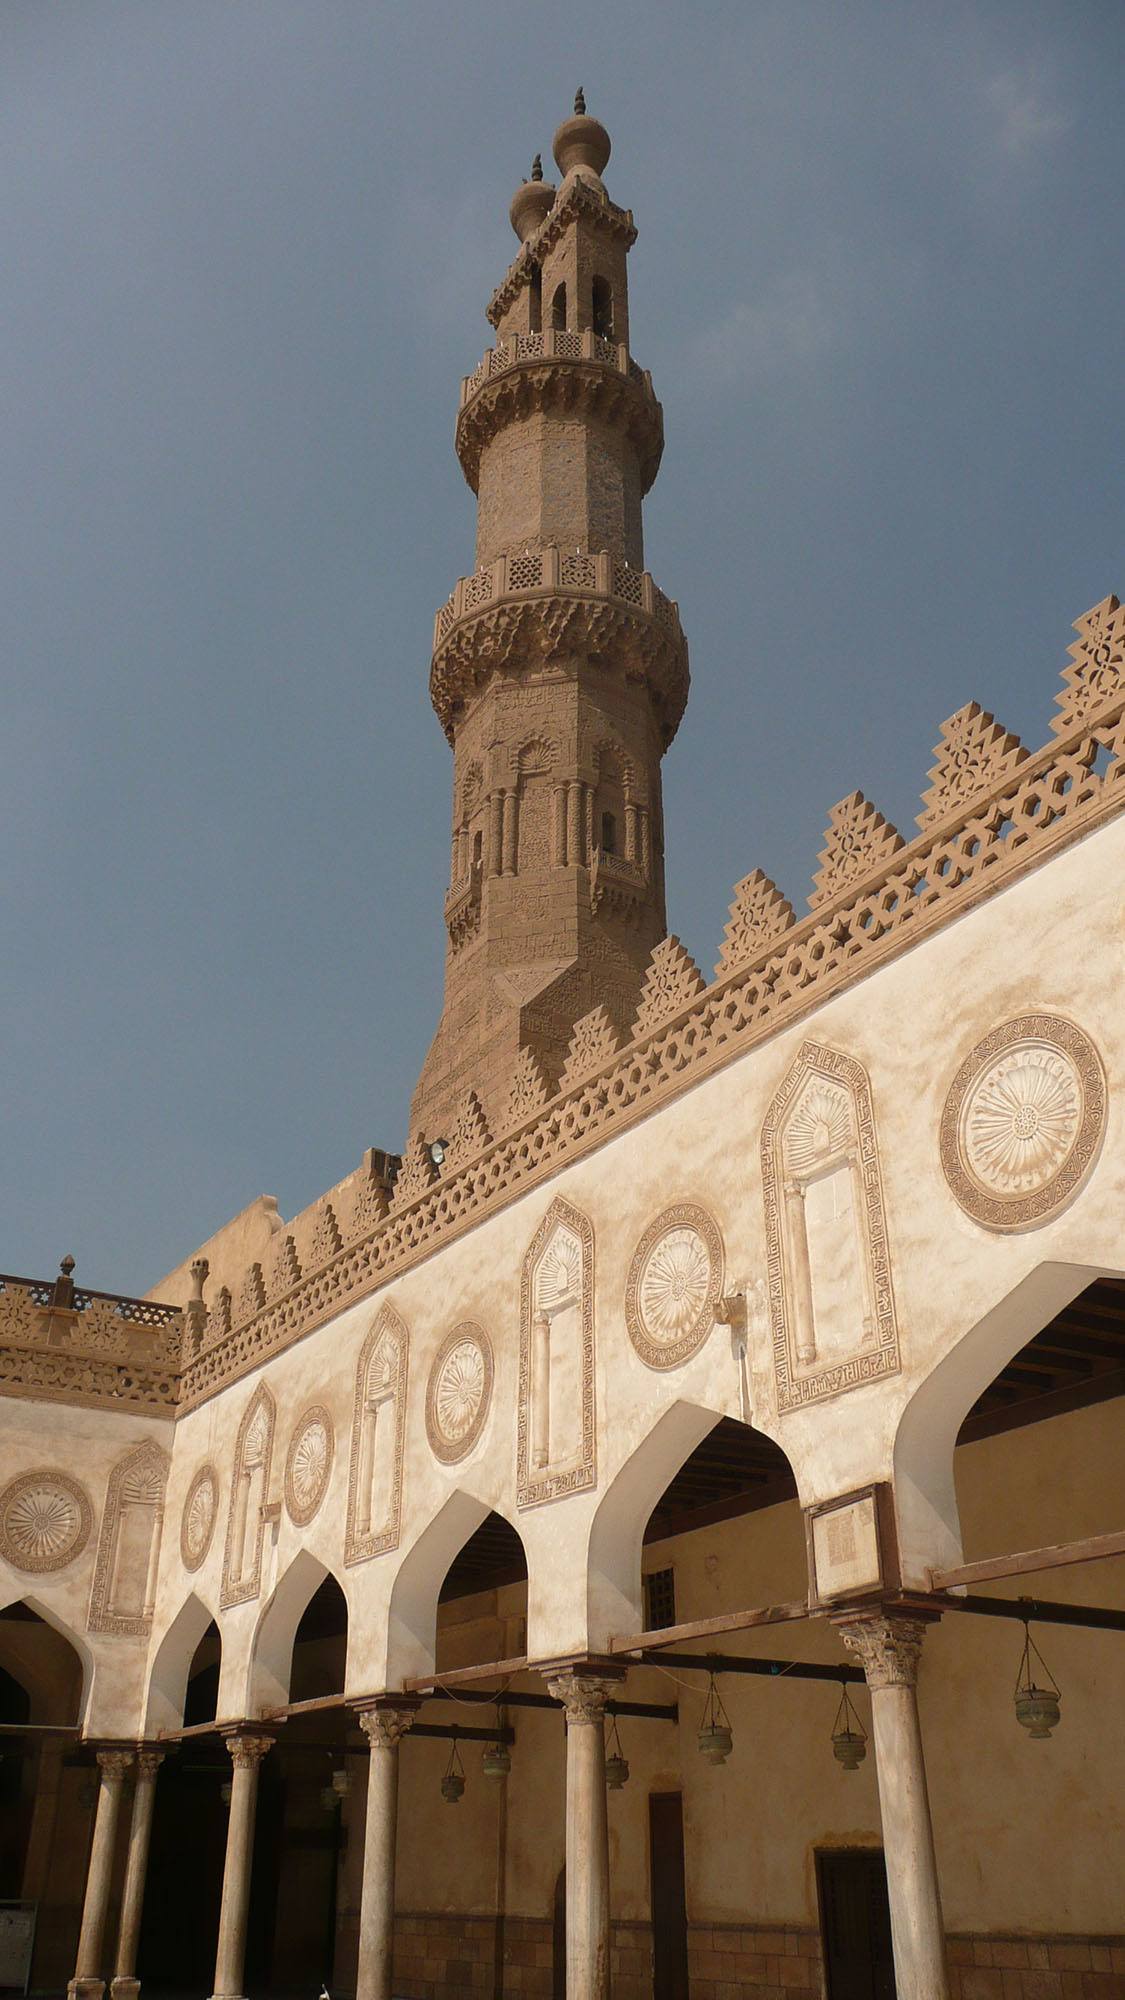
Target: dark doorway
(558,1940)
(855,1923)
(669,1898)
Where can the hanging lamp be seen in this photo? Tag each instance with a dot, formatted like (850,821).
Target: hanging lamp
(496,1761)
(716,1737)
(849,1737)
(616,1764)
(1037,1707)
(453,1783)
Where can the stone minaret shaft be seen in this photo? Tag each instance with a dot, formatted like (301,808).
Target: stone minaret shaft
(559,670)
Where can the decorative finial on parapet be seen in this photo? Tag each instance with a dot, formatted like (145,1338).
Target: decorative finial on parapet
(200,1271)
(66,1266)
(537,167)
(63,1293)
(580,102)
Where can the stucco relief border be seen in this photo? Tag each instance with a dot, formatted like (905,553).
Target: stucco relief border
(146,1466)
(673,1353)
(360,1547)
(25,1483)
(795,1391)
(311,1422)
(533,1490)
(1028,1210)
(450,1451)
(204,1476)
(246,1585)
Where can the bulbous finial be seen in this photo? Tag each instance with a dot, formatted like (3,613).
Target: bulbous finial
(532,202)
(582,144)
(580,102)
(537,167)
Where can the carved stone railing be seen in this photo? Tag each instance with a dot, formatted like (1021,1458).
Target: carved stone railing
(60,1343)
(555,572)
(528,373)
(553,344)
(617,881)
(1075,784)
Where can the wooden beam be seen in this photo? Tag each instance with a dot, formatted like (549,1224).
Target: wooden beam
(462,1676)
(315,1705)
(1037,1610)
(1091,1548)
(711,1628)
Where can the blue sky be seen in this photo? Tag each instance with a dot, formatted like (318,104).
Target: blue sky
(247,249)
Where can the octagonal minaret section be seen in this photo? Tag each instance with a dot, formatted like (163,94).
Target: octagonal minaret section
(559,670)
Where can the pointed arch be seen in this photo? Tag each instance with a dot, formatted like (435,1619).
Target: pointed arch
(415,1593)
(613,1574)
(374,1520)
(271,1656)
(124,1586)
(555,1431)
(249,1495)
(48,1616)
(171,1665)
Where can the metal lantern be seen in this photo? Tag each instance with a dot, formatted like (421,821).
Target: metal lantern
(496,1761)
(341,1783)
(849,1737)
(453,1783)
(616,1763)
(716,1737)
(1037,1706)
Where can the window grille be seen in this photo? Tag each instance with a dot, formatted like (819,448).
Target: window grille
(660,1599)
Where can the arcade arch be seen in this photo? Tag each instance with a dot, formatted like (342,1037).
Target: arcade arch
(184,1653)
(308,1599)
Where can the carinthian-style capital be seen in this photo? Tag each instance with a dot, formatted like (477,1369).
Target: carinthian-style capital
(385,1728)
(115,1763)
(583,1696)
(148,1764)
(888,1649)
(247,1751)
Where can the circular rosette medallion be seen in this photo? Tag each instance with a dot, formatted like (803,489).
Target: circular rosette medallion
(674,1286)
(197,1524)
(1023,1121)
(308,1464)
(45,1520)
(459,1392)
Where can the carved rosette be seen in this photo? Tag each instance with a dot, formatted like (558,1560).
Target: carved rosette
(384,1728)
(888,1649)
(246,1752)
(45,1521)
(1023,1121)
(459,1392)
(674,1286)
(308,1464)
(583,1696)
(197,1522)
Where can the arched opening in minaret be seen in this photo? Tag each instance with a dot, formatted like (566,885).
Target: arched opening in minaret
(535,301)
(601,301)
(609,833)
(558,309)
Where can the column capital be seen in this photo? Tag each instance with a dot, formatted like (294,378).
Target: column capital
(385,1723)
(582,1692)
(148,1761)
(247,1751)
(114,1761)
(888,1648)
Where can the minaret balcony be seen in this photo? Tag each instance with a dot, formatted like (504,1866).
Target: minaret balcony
(556,369)
(525,610)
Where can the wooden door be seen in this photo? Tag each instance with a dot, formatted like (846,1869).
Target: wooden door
(669,1896)
(855,1923)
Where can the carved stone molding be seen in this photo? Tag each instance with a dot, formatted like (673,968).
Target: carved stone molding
(249,1497)
(583,1696)
(832,1307)
(588,388)
(374,1518)
(308,1464)
(384,1728)
(674,1286)
(459,1392)
(1023,1121)
(888,1649)
(247,1751)
(45,1521)
(197,1522)
(124,1586)
(556,1446)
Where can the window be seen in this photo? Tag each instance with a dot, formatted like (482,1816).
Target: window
(609,833)
(535,302)
(478,849)
(602,305)
(558,309)
(660,1599)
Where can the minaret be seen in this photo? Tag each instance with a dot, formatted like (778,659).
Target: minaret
(559,669)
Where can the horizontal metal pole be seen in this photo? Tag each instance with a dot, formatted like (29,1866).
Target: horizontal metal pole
(1058,1555)
(653,1711)
(736,1663)
(1038,1610)
(467,1733)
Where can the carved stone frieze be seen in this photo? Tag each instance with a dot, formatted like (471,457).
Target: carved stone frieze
(459,1392)
(249,1496)
(674,1286)
(124,1586)
(45,1520)
(197,1522)
(556,1448)
(374,1516)
(1023,1121)
(308,1464)
(832,1306)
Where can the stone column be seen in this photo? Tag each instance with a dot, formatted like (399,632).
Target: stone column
(246,1753)
(888,1649)
(495,832)
(125,1985)
(384,1727)
(583,1696)
(88,1983)
(575,824)
(510,823)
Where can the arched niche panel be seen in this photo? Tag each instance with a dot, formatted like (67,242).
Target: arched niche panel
(249,1497)
(832,1304)
(124,1586)
(374,1520)
(555,1441)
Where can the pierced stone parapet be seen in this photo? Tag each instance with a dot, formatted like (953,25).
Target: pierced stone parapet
(561,371)
(98,1349)
(524,610)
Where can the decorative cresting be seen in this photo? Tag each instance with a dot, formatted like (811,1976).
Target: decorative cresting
(555,1439)
(974,752)
(45,1520)
(674,1286)
(888,1649)
(99,1350)
(1096,673)
(1053,798)
(308,1464)
(585,374)
(831,1299)
(197,1522)
(1023,1121)
(124,1587)
(459,1392)
(378,1435)
(249,1496)
(523,611)
(857,842)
